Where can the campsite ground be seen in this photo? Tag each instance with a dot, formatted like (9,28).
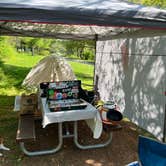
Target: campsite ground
(121,151)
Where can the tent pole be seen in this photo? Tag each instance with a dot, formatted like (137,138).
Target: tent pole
(96,38)
(164,133)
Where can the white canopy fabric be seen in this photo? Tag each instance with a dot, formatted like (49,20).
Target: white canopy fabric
(49,69)
(74,12)
(68,18)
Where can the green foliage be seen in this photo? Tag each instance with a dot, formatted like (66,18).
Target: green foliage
(6,49)
(81,49)
(57,47)
(88,54)
(35,46)
(157,3)
(44,52)
(40,46)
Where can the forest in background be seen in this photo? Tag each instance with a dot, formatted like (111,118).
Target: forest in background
(84,50)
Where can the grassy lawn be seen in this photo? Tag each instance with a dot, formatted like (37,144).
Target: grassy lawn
(84,73)
(12,71)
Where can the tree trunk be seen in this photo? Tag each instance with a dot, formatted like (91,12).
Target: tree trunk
(81,52)
(33,51)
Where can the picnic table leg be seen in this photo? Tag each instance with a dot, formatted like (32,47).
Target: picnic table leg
(89,146)
(43,152)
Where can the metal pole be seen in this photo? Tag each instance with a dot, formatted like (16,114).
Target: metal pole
(96,38)
(164,133)
(43,152)
(89,146)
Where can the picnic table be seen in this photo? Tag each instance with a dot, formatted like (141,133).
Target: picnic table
(26,127)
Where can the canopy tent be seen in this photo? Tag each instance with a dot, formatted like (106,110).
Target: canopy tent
(74,12)
(101,20)
(50,18)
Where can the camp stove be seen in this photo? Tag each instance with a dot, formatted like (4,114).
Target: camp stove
(66,105)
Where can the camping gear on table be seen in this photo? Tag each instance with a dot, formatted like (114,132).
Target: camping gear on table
(63,95)
(49,69)
(87,95)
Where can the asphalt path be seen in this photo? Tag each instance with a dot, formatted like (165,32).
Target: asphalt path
(80,61)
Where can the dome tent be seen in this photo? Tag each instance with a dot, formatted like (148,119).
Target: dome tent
(56,66)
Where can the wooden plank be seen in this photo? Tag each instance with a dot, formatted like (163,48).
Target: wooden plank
(26,129)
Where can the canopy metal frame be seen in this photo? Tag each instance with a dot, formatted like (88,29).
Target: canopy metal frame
(60,143)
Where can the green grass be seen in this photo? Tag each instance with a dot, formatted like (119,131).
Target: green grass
(84,73)
(23,60)
(8,123)
(13,70)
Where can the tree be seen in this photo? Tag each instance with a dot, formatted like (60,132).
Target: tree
(37,45)
(84,49)
(6,47)
(79,48)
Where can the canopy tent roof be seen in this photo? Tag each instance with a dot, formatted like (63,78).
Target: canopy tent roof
(67,18)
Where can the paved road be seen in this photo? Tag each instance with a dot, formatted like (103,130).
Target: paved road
(80,61)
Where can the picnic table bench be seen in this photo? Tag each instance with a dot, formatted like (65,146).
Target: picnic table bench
(26,129)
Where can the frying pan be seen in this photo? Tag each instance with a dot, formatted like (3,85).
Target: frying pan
(114,115)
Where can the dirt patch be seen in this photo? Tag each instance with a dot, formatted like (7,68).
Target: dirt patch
(121,151)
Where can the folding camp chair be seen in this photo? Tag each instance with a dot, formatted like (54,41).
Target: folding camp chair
(151,153)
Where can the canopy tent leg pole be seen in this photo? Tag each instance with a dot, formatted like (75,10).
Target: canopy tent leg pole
(43,152)
(164,133)
(94,69)
(89,146)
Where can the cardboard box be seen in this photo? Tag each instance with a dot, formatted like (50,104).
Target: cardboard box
(29,99)
(28,104)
